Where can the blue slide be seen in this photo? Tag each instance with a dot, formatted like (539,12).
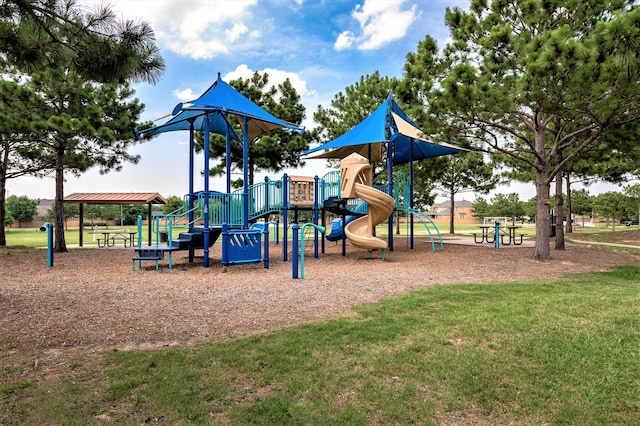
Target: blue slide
(337,229)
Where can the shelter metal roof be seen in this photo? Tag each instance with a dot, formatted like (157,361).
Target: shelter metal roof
(115,198)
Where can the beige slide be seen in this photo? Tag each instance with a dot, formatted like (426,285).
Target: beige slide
(355,174)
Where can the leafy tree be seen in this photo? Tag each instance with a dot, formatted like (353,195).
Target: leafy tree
(633,193)
(450,174)
(581,203)
(481,207)
(274,150)
(93,212)
(520,75)
(84,125)
(70,211)
(507,205)
(348,109)
(54,38)
(612,205)
(131,212)
(39,34)
(22,208)
(529,207)
(18,154)
(173,203)
(8,219)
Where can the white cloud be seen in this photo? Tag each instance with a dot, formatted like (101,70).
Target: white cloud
(307,97)
(184,95)
(195,28)
(344,41)
(235,32)
(380,22)
(276,77)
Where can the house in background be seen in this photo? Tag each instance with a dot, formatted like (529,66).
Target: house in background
(43,206)
(462,210)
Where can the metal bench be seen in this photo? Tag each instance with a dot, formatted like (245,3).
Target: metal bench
(147,254)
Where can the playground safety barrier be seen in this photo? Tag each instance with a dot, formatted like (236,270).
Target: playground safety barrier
(243,246)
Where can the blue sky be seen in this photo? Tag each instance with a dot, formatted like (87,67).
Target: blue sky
(322,46)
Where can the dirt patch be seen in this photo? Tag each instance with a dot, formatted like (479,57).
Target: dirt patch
(91,298)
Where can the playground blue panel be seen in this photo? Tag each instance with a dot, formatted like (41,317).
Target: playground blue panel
(241,246)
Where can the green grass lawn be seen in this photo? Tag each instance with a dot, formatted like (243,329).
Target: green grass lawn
(551,352)
(31,237)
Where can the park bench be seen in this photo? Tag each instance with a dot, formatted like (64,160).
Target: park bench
(147,253)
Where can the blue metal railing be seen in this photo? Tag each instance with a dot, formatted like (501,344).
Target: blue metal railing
(429,225)
(330,185)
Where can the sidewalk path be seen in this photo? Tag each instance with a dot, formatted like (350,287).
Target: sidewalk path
(598,243)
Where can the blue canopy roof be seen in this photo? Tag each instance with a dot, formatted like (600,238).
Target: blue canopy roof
(217,101)
(387,123)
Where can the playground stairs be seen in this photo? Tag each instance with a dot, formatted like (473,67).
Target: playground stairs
(194,239)
(336,205)
(339,206)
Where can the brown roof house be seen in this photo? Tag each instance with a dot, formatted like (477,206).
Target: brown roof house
(462,211)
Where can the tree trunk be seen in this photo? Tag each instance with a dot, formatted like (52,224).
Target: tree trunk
(569,208)
(542,250)
(559,214)
(452,208)
(60,244)
(3,206)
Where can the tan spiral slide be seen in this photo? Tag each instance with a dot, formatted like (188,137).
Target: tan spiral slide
(355,175)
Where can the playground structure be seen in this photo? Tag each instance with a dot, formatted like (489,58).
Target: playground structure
(283,199)
(235,216)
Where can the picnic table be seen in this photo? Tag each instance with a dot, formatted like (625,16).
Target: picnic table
(486,232)
(487,235)
(109,238)
(511,235)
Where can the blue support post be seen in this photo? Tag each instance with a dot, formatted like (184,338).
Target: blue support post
(206,192)
(294,253)
(497,234)
(317,228)
(266,245)
(225,237)
(140,231)
(285,215)
(48,227)
(245,169)
(316,209)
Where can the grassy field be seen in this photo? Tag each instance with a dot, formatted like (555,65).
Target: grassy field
(554,352)
(31,237)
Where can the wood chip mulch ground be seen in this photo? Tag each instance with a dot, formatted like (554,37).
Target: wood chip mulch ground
(91,298)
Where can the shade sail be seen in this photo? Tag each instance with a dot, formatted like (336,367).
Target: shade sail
(217,101)
(182,121)
(370,131)
(387,123)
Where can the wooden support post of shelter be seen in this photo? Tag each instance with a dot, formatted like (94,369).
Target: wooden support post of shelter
(82,198)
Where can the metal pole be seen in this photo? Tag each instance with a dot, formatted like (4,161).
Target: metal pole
(294,252)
